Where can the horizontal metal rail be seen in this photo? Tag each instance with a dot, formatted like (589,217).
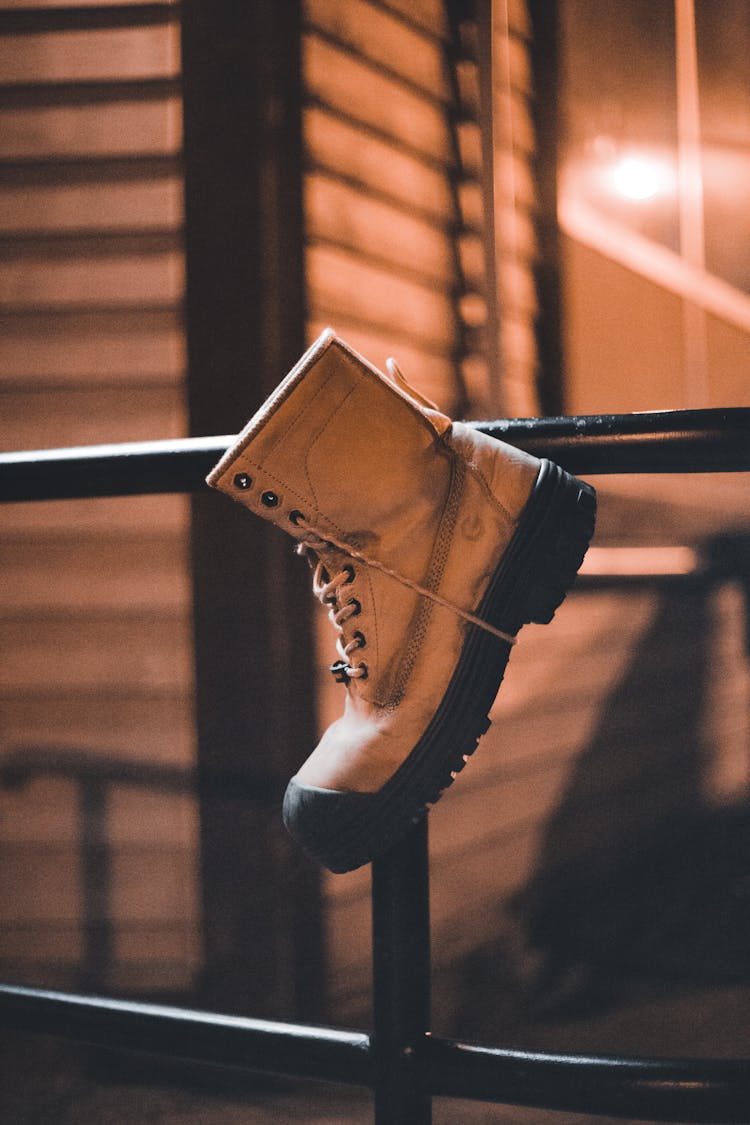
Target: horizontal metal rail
(653,1089)
(402,1061)
(194,1036)
(676,441)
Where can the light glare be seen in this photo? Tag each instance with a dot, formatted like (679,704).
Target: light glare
(637,178)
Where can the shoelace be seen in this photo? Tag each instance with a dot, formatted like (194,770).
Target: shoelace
(312,543)
(328,590)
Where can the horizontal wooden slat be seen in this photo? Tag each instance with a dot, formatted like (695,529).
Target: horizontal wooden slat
(166,945)
(151,883)
(41,810)
(466,74)
(177,975)
(60,572)
(151,725)
(37,884)
(149,956)
(88,207)
(143,819)
(115,316)
(335,147)
(103,651)
(89,345)
(164,873)
(48,415)
(387,41)
(90,55)
(47,811)
(381,260)
(46,944)
(394,113)
(93,519)
(61,283)
(336,280)
(338,214)
(122,128)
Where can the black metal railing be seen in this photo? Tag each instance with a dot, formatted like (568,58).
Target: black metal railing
(400,1060)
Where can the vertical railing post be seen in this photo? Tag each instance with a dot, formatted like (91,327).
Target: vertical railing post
(401,979)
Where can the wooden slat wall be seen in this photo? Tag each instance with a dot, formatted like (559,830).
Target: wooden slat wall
(95,599)
(383,205)
(95,608)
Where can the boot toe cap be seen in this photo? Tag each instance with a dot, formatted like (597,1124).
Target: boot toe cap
(327,823)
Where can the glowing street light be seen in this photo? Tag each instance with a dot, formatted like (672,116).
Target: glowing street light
(640,177)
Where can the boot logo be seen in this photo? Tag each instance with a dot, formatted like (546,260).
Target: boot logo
(472,527)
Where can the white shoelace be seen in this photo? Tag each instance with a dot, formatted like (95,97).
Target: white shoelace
(329,591)
(312,543)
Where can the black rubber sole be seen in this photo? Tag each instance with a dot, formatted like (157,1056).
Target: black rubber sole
(345,830)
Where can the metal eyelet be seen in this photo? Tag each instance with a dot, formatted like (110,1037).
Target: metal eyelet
(363,670)
(338,670)
(269,499)
(242,481)
(360,639)
(357,607)
(296,517)
(349,570)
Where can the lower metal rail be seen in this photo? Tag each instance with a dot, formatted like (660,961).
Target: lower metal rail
(401,1061)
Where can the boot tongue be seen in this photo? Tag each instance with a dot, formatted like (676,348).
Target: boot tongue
(440,421)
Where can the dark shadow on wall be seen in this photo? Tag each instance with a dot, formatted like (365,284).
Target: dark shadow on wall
(639,881)
(638,875)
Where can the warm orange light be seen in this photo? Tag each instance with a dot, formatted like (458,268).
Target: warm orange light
(641,560)
(637,177)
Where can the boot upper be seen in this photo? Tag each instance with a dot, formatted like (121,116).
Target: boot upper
(356,468)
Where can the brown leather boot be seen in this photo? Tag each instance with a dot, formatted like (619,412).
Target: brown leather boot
(432,544)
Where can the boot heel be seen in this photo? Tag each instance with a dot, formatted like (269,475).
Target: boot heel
(566,509)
